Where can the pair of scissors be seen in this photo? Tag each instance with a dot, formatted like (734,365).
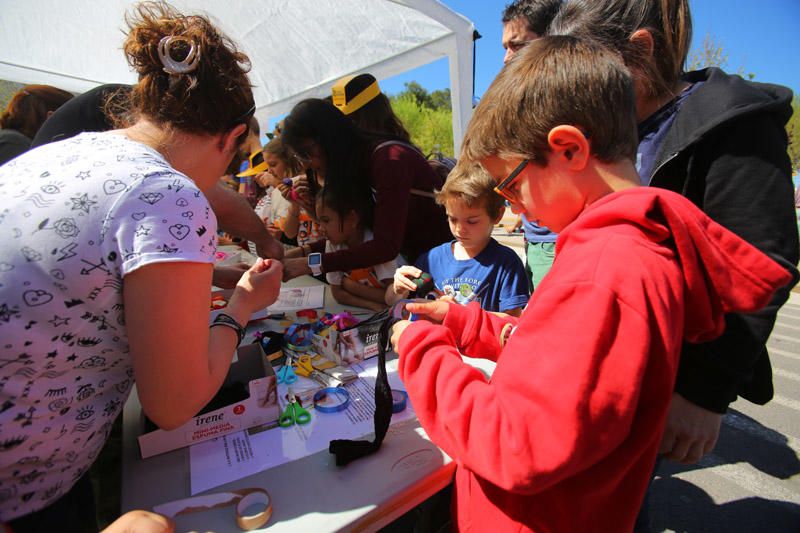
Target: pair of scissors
(286,373)
(294,413)
(306,369)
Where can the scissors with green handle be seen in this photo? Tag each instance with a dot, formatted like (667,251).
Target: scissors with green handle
(294,413)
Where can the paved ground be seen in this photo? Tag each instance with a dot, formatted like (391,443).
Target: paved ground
(751,482)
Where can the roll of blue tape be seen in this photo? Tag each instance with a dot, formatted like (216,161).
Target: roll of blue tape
(331,400)
(399,400)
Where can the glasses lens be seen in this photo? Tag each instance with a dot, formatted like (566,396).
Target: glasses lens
(503,186)
(504,194)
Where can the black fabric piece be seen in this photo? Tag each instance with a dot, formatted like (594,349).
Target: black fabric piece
(347,451)
(12,145)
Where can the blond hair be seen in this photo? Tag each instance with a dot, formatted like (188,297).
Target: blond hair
(471,184)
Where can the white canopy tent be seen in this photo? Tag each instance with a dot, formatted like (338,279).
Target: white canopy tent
(298,48)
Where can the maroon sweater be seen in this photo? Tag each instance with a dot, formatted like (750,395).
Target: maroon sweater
(404,223)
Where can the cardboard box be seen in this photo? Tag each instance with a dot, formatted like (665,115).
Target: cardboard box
(359,342)
(261,407)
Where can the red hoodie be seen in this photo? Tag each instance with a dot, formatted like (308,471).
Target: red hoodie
(564,435)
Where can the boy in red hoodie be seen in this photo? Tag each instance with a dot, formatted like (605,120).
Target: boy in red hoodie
(564,435)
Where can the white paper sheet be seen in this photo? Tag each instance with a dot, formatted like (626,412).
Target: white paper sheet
(239,455)
(297,298)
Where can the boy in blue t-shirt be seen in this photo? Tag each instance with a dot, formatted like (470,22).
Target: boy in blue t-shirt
(473,267)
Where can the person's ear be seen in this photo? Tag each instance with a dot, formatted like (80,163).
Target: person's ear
(351,219)
(230,139)
(643,40)
(569,144)
(500,213)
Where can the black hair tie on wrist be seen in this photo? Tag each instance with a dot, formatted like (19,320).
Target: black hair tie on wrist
(226,320)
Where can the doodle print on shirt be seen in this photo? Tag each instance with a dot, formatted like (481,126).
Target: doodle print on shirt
(77,216)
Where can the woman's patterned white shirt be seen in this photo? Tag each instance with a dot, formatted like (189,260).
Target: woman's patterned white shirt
(75,218)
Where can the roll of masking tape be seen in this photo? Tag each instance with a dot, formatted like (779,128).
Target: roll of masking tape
(253,506)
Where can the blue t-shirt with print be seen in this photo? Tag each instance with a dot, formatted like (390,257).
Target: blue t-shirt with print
(495,277)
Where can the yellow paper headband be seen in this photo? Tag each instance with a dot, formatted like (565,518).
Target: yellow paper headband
(359,101)
(257,164)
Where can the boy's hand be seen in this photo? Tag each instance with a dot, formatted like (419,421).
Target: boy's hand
(402,279)
(397,330)
(434,311)
(691,431)
(260,285)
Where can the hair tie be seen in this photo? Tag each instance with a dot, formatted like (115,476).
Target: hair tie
(171,65)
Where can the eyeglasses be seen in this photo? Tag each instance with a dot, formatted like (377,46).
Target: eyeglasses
(501,187)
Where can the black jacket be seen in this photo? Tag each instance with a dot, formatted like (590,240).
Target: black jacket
(12,144)
(726,152)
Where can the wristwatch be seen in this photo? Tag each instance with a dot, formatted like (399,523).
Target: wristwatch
(315,263)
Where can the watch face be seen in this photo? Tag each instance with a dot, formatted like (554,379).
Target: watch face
(314,259)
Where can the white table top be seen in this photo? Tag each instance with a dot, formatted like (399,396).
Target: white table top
(310,494)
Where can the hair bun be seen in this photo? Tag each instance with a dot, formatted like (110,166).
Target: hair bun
(190,75)
(172,65)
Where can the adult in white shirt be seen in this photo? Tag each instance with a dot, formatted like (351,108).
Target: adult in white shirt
(107,244)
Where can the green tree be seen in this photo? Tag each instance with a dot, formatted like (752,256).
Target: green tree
(418,93)
(793,130)
(712,54)
(441,99)
(431,129)
(7,90)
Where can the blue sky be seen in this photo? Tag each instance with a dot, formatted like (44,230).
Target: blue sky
(759,37)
